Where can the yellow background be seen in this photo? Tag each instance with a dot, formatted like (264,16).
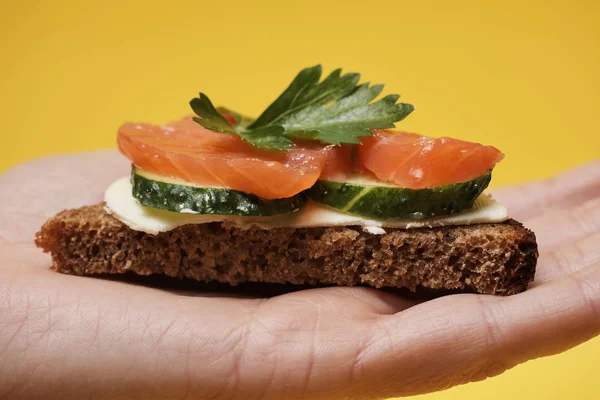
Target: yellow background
(522,75)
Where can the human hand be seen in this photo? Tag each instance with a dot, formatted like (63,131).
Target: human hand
(77,337)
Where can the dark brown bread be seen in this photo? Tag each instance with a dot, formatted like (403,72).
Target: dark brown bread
(485,258)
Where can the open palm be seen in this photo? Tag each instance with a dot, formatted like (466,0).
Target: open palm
(94,338)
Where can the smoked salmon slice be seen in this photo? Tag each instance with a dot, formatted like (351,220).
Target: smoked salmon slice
(414,161)
(341,163)
(187,151)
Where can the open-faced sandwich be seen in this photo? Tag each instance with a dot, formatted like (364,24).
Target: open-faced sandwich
(316,190)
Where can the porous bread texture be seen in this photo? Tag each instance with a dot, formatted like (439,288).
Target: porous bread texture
(495,258)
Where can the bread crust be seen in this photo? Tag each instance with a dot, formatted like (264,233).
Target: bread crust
(484,258)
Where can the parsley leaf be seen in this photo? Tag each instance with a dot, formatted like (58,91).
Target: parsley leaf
(334,111)
(350,118)
(210,118)
(270,137)
(305,95)
(240,120)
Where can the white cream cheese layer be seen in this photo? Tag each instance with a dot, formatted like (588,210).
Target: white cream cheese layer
(122,205)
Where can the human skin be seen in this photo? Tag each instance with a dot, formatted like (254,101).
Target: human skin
(74,337)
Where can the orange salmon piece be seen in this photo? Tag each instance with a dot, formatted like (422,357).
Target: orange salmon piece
(187,151)
(341,163)
(414,161)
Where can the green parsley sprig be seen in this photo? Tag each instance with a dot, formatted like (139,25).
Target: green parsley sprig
(336,110)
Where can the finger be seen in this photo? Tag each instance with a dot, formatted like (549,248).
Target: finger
(561,227)
(546,320)
(565,190)
(53,183)
(567,259)
(464,338)
(34,191)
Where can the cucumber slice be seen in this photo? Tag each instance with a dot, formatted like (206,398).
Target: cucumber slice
(374,200)
(171,195)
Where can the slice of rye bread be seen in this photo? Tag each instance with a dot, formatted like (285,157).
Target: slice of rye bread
(485,258)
